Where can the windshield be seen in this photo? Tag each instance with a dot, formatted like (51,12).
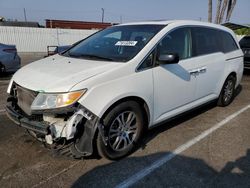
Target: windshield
(118,43)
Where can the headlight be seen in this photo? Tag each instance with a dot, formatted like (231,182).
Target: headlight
(45,101)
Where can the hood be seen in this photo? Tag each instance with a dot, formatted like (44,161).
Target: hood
(59,73)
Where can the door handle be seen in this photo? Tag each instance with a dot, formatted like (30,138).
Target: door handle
(194,72)
(202,69)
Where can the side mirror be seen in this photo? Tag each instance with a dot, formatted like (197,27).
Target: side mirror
(168,58)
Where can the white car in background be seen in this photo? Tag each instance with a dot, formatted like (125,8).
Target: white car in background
(104,91)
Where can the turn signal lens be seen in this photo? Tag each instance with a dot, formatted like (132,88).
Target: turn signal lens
(68,98)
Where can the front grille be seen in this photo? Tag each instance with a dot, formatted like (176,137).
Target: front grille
(25,97)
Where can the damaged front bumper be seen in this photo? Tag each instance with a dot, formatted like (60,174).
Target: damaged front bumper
(79,127)
(38,127)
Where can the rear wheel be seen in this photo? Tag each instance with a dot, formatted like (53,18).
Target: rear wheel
(123,128)
(227,92)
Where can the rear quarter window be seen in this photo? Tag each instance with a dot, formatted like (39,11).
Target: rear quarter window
(228,43)
(210,40)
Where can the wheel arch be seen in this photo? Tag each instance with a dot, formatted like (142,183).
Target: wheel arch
(225,102)
(223,80)
(233,73)
(145,110)
(139,100)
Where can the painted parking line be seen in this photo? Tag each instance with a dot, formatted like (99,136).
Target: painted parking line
(57,174)
(149,169)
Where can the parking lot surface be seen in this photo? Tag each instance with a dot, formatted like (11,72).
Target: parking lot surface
(181,153)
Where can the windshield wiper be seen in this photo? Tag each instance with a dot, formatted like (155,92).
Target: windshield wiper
(68,54)
(90,56)
(96,57)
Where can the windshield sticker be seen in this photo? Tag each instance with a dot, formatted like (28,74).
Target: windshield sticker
(126,43)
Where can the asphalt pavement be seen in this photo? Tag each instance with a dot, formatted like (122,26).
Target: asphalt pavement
(209,147)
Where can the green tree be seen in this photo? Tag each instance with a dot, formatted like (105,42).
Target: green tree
(243,31)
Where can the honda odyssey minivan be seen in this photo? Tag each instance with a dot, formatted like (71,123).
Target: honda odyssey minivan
(104,91)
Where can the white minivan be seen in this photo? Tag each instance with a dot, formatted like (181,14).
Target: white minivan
(105,90)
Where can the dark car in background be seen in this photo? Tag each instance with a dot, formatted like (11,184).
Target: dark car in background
(245,46)
(9,59)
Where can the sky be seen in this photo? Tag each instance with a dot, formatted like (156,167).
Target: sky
(117,11)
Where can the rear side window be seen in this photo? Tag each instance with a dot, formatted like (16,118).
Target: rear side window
(228,42)
(208,41)
(205,41)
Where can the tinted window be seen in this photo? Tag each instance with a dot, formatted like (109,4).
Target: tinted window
(119,43)
(205,41)
(177,41)
(228,42)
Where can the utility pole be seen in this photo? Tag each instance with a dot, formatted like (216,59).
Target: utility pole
(102,15)
(24,12)
(120,19)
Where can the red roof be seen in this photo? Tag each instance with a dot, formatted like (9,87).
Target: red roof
(76,24)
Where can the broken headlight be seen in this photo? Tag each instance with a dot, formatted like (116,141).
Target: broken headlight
(45,101)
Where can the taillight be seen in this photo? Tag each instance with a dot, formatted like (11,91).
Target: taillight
(10,50)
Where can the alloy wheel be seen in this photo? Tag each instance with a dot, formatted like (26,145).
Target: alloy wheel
(123,131)
(228,91)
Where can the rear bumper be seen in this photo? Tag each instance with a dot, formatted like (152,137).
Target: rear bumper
(38,127)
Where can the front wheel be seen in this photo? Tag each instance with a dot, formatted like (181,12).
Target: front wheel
(227,91)
(123,128)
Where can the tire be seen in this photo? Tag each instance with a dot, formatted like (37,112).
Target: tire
(123,127)
(227,92)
